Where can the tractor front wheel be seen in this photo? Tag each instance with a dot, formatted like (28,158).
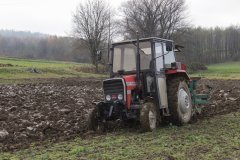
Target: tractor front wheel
(93,121)
(179,101)
(148,117)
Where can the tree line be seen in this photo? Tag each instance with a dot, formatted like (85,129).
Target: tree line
(212,45)
(96,25)
(155,18)
(41,46)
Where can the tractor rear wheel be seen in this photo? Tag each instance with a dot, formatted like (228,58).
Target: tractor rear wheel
(148,117)
(93,122)
(179,101)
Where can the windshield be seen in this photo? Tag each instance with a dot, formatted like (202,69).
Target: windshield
(125,57)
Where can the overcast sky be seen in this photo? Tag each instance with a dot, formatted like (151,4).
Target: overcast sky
(55,16)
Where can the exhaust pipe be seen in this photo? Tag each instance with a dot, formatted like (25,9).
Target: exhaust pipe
(138,61)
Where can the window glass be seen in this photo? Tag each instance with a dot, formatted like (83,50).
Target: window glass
(169,56)
(117,59)
(125,56)
(129,59)
(159,58)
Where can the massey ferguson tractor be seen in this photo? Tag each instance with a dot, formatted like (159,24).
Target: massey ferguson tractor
(146,85)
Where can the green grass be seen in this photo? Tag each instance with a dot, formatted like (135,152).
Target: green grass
(23,69)
(230,70)
(217,138)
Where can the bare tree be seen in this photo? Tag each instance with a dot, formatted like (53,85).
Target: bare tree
(91,25)
(159,18)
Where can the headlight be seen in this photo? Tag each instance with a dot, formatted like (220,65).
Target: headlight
(120,97)
(108,98)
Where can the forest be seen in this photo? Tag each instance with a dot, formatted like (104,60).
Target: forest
(213,45)
(205,45)
(21,44)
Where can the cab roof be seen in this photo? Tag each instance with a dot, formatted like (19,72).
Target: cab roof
(142,40)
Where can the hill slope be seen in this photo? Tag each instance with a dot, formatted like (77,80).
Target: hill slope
(15,69)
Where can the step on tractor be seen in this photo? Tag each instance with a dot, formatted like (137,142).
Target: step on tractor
(147,85)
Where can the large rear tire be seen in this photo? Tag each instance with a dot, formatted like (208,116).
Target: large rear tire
(179,101)
(148,117)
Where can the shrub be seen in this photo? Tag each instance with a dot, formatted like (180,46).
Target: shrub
(196,66)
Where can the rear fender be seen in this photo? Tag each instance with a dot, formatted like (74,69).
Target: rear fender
(178,73)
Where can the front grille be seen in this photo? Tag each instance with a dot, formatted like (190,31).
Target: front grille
(113,86)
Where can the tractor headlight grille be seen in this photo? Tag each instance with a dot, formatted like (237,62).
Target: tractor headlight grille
(114,87)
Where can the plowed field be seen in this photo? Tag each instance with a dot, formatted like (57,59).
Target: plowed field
(56,109)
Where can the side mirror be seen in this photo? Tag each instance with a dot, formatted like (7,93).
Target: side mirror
(169,46)
(178,48)
(99,55)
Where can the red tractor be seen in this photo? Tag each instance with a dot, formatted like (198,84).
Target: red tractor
(146,85)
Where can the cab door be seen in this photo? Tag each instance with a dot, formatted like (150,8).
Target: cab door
(160,77)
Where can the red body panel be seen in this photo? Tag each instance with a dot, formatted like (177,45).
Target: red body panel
(184,67)
(131,84)
(181,69)
(174,71)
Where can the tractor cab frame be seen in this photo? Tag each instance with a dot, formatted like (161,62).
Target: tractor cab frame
(146,84)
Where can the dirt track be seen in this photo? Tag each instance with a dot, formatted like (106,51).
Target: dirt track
(56,109)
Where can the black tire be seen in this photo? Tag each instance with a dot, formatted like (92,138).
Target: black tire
(181,113)
(148,113)
(93,122)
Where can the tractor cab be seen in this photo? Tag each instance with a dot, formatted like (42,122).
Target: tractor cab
(151,51)
(146,84)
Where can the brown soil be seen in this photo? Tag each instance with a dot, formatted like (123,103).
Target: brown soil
(225,97)
(56,109)
(39,111)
